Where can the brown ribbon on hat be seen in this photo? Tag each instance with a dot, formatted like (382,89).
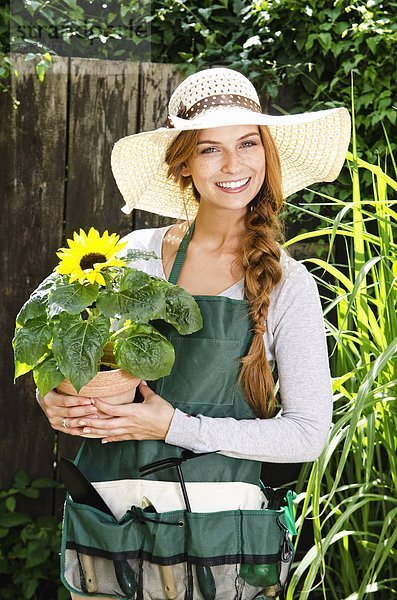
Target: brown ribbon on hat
(216,100)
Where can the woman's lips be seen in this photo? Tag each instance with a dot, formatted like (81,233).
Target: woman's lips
(234,190)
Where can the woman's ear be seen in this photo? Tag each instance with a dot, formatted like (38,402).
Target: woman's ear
(185,171)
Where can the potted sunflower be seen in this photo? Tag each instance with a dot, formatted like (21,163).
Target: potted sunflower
(91,319)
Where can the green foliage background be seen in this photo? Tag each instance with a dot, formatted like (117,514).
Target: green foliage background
(29,545)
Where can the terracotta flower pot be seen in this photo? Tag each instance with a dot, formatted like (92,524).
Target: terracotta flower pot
(115,386)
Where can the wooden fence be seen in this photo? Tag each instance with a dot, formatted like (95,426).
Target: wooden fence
(55,177)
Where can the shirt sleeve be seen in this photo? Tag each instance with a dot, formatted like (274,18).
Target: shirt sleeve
(299,432)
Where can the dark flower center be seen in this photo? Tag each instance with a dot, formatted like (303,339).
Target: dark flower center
(89,260)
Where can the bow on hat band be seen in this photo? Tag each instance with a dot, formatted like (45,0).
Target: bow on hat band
(217,100)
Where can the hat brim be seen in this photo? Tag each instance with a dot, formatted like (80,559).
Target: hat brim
(312,148)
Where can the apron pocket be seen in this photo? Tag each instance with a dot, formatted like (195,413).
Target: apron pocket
(196,360)
(180,555)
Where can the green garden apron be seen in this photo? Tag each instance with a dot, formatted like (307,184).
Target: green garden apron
(225,554)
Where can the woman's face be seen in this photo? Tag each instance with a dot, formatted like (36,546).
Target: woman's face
(228,165)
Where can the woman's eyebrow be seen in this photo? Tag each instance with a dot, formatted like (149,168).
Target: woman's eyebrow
(242,138)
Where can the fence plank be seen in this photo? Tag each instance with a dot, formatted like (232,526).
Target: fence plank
(158,81)
(103,108)
(32,171)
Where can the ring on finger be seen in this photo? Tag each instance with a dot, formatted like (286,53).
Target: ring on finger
(64,423)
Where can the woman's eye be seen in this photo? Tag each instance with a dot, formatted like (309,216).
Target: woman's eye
(208,150)
(250,143)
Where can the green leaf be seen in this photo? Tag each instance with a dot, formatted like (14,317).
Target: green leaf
(34,307)
(21,480)
(78,345)
(47,375)
(71,298)
(310,41)
(3,533)
(30,493)
(182,311)
(11,504)
(38,301)
(31,341)
(29,587)
(372,43)
(44,483)
(40,70)
(144,352)
(21,369)
(138,299)
(14,519)
(325,40)
(38,557)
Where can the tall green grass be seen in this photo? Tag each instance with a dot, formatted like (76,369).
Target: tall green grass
(349,494)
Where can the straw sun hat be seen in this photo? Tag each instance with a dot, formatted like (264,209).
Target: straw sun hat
(312,146)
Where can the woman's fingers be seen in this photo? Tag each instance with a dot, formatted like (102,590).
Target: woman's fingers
(145,390)
(101,425)
(68,430)
(74,412)
(58,405)
(53,399)
(113,410)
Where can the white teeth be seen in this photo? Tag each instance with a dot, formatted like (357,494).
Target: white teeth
(233,184)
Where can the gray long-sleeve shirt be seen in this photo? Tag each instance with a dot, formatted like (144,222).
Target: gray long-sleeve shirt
(295,341)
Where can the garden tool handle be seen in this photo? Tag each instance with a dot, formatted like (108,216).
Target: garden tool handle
(168,580)
(88,565)
(206,582)
(166,572)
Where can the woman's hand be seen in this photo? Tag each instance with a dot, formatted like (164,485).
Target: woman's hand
(63,412)
(148,420)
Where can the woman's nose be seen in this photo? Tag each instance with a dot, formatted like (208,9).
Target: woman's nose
(231,163)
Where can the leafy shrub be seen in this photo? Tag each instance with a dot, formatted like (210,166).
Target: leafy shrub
(29,546)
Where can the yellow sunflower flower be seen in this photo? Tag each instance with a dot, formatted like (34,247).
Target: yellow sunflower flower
(88,255)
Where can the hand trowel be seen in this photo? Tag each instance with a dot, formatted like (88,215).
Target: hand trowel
(82,491)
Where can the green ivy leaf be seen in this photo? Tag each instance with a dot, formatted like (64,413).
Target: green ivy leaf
(144,352)
(31,341)
(71,298)
(47,375)
(78,345)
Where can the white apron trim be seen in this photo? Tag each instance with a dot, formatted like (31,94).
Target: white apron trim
(165,496)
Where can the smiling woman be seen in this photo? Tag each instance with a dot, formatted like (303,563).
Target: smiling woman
(189,518)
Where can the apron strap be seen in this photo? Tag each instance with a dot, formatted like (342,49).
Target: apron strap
(180,255)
